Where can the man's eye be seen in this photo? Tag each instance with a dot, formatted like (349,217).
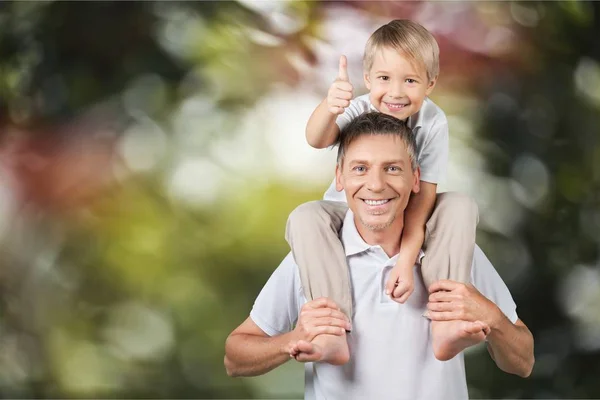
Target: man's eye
(393,169)
(359,169)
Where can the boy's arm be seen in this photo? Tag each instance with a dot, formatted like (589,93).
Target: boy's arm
(321,129)
(417,213)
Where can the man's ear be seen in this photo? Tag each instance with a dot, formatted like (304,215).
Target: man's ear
(367,81)
(339,184)
(416,187)
(431,85)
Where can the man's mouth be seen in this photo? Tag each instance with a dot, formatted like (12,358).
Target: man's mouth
(375,202)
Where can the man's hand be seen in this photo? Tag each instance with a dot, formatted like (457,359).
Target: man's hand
(450,300)
(400,283)
(340,91)
(320,316)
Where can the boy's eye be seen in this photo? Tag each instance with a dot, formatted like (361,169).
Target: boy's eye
(410,80)
(384,78)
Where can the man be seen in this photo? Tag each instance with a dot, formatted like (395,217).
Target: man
(391,353)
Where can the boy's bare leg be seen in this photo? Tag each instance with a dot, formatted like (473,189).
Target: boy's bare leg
(313,234)
(323,348)
(452,337)
(451,236)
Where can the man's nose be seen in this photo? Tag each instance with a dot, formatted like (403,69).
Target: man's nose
(376,181)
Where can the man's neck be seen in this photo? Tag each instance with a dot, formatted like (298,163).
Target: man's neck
(388,239)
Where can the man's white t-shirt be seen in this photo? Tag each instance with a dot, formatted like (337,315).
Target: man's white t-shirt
(390,344)
(430,128)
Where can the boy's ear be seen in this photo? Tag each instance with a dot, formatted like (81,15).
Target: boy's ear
(339,185)
(367,81)
(431,85)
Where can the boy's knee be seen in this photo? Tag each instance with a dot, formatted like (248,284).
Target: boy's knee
(458,206)
(307,212)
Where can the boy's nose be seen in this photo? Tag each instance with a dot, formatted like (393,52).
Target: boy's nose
(397,90)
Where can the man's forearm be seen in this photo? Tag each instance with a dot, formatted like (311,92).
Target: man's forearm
(251,355)
(511,347)
(321,129)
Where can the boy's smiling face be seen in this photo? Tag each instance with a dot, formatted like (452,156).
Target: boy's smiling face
(397,87)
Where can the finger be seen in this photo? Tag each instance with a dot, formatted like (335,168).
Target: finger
(341,103)
(443,296)
(326,312)
(482,326)
(333,322)
(444,284)
(322,302)
(440,307)
(400,290)
(343,69)
(342,87)
(336,110)
(405,297)
(441,315)
(392,280)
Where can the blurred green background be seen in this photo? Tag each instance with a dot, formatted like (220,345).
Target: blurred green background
(150,153)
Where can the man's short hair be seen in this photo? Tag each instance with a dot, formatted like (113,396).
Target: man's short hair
(409,38)
(376,123)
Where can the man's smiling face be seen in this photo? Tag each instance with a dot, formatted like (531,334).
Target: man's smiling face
(377,177)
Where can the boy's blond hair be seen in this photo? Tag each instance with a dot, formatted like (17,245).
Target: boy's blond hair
(409,38)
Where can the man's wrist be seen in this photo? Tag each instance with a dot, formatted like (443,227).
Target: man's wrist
(497,318)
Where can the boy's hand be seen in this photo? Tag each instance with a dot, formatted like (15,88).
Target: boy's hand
(340,91)
(400,284)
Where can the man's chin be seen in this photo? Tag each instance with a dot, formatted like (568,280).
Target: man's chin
(376,224)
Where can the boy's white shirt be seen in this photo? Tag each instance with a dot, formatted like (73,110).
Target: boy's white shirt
(430,128)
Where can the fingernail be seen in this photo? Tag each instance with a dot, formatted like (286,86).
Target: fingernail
(426,314)
(387,292)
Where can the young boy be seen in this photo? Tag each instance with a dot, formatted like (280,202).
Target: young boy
(401,65)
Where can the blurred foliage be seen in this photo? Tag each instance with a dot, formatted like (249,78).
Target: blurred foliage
(115,284)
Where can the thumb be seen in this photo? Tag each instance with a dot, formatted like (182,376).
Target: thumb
(343,69)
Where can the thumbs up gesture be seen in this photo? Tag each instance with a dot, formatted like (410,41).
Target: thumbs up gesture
(340,91)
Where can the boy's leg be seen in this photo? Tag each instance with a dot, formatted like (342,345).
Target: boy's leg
(450,239)
(312,232)
(449,245)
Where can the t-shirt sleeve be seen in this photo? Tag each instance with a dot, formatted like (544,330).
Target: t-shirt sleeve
(275,310)
(357,106)
(433,157)
(489,283)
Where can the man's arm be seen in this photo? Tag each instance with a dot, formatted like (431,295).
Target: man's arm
(249,351)
(510,345)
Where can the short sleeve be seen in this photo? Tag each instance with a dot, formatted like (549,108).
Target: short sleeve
(433,156)
(489,283)
(275,310)
(358,106)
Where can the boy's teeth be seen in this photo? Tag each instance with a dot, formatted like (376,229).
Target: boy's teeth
(376,202)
